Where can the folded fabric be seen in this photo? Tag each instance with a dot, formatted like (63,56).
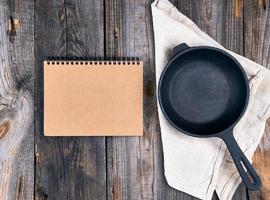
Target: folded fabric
(200,166)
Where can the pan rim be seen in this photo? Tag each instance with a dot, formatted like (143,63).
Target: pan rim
(228,129)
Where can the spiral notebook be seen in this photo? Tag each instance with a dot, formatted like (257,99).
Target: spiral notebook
(93,98)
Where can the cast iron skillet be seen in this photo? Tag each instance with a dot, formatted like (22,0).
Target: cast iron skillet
(203,92)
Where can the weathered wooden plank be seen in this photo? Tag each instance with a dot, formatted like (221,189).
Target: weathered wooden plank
(262,163)
(16,100)
(134,164)
(257,48)
(71,167)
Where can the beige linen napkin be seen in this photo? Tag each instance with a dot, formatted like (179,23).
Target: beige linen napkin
(194,165)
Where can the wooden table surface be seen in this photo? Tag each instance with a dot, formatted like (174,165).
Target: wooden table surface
(74,168)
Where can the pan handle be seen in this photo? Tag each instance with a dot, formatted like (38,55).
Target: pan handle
(179,48)
(244,167)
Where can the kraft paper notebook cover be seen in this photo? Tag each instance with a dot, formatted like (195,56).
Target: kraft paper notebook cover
(103,98)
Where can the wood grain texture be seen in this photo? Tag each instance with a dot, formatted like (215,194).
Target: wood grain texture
(68,167)
(257,48)
(134,169)
(16,100)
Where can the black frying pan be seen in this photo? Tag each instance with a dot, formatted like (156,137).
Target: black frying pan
(203,92)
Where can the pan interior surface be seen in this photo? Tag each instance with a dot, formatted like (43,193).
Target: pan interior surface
(203,92)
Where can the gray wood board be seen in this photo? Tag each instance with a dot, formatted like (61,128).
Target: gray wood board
(257,48)
(68,167)
(16,100)
(134,165)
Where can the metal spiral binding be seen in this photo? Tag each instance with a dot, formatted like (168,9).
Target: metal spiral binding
(92,61)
